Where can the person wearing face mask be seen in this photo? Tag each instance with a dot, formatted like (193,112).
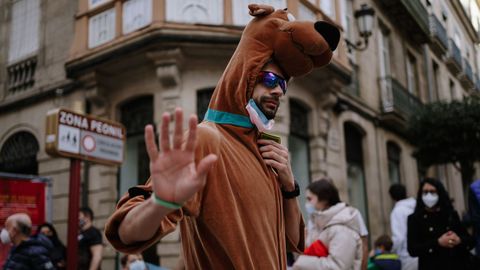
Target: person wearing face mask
(336,225)
(133,262)
(90,242)
(58,252)
(136,262)
(435,234)
(27,252)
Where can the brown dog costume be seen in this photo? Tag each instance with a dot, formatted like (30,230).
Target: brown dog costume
(237,221)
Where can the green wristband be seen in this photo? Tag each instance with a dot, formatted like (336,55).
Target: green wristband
(166,204)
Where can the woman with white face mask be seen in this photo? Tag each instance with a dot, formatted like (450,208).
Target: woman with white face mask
(435,234)
(332,225)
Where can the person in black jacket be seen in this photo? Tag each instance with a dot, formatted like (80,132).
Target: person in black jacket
(435,234)
(58,253)
(27,252)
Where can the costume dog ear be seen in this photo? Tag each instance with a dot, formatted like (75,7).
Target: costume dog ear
(260,10)
(330,33)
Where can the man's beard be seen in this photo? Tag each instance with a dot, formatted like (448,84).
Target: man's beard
(269,113)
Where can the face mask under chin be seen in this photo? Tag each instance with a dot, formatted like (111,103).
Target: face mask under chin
(257,117)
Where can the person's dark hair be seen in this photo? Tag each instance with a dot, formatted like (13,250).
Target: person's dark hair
(23,228)
(124,259)
(325,190)
(397,192)
(54,238)
(384,241)
(87,211)
(443,198)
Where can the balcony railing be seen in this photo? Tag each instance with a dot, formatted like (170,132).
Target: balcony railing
(397,99)
(21,75)
(412,14)
(454,57)
(438,35)
(467,69)
(466,77)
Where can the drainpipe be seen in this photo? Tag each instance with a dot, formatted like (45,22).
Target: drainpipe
(428,73)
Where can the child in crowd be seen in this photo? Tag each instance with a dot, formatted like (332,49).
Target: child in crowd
(383,258)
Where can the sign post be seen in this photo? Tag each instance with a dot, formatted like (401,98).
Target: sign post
(81,137)
(73,206)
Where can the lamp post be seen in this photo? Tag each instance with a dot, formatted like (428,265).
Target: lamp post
(364,18)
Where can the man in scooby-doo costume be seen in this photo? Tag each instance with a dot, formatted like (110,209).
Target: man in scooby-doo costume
(232,194)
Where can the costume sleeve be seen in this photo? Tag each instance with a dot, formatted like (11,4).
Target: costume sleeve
(416,245)
(137,195)
(296,246)
(124,206)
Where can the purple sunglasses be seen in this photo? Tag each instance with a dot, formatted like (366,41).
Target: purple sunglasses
(271,80)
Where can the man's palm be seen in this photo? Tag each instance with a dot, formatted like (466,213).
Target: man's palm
(174,175)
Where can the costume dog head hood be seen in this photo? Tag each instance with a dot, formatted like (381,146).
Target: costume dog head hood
(296,46)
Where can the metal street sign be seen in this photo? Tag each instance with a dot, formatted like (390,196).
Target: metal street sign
(73,135)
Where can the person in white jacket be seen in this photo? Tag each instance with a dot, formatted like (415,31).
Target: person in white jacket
(398,221)
(336,225)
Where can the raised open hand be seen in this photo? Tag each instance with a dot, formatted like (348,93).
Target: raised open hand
(174,176)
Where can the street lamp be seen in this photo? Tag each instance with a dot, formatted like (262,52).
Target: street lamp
(364,18)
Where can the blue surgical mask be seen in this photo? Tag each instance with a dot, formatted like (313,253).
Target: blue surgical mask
(137,265)
(309,208)
(258,118)
(81,223)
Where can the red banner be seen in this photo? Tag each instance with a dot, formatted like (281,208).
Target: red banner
(21,196)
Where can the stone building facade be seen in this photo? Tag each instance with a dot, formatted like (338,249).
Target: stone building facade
(131,60)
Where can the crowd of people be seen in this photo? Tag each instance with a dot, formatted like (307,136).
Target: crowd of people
(427,233)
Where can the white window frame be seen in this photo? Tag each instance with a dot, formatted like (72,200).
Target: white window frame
(136,14)
(24,30)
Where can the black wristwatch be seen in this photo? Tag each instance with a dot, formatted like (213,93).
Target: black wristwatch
(291,194)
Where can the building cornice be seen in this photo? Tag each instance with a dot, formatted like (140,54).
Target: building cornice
(79,64)
(36,95)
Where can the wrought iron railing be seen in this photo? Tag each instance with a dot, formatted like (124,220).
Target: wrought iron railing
(454,52)
(396,98)
(21,75)
(467,69)
(438,30)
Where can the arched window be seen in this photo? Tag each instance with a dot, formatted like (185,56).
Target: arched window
(19,154)
(298,145)
(393,153)
(355,168)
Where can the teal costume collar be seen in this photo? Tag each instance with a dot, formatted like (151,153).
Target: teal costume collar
(220,117)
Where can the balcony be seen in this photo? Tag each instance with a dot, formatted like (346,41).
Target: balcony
(397,103)
(438,36)
(21,75)
(454,58)
(106,25)
(409,14)
(466,77)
